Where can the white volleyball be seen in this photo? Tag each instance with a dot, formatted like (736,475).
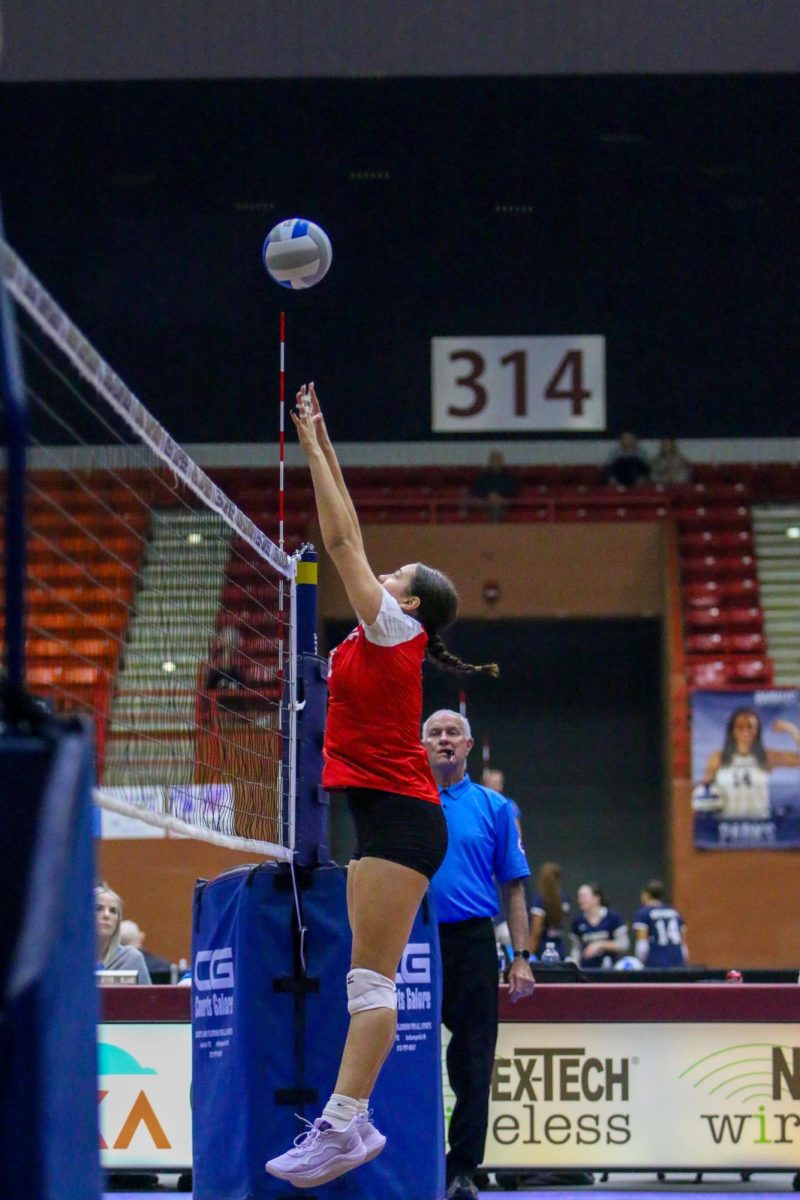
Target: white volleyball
(708,798)
(297,253)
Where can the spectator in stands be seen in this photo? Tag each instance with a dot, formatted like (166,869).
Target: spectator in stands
(225,662)
(659,930)
(628,465)
(669,465)
(549,911)
(111,956)
(495,486)
(131,935)
(599,935)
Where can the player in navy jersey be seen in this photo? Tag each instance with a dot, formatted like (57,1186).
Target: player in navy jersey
(659,930)
(599,935)
(549,912)
(373,754)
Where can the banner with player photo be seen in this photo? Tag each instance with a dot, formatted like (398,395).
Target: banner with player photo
(746,769)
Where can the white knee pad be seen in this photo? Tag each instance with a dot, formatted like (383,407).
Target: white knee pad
(367,989)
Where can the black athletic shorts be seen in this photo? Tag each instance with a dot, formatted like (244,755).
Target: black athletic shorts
(402,829)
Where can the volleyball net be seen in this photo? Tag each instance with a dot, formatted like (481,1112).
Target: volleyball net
(153,602)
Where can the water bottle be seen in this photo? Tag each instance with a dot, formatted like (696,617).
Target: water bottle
(550,954)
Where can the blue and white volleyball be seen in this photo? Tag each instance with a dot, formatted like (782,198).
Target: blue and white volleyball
(297,253)
(628,963)
(708,798)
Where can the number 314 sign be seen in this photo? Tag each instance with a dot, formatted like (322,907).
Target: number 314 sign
(518,384)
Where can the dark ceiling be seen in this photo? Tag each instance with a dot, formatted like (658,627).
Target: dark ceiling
(660,212)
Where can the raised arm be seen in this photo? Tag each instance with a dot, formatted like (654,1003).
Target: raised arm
(785,758)
(338,522)
(326,445)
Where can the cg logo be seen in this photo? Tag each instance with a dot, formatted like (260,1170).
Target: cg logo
(415,965)
(213,969)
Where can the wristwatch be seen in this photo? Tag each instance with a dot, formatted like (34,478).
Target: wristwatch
(522,954)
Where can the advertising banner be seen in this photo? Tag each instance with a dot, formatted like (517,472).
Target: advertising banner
(144,1079)
(626,1096)
(517,384)
(647,1096)
(746,769)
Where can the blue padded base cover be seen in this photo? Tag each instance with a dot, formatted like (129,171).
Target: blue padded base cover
(255,1039)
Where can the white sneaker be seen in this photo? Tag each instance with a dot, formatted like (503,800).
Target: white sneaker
(320,1154)
(373,1139)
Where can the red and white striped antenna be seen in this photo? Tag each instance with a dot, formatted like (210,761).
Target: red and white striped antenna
(281,436)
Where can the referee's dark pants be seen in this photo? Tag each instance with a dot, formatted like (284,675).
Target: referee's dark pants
(469,1010)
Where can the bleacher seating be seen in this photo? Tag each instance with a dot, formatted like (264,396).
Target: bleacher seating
(84,571)
(85,538)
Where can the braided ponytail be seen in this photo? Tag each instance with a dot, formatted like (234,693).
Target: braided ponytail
(438,606)
(438,654)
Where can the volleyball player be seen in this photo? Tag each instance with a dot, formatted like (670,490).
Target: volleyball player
(599,935)
(374,755)
(659,930)
(549,912)
(741,769)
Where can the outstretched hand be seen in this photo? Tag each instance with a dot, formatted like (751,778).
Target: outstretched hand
(307,418)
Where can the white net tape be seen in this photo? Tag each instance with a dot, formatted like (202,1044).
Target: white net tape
(207,759)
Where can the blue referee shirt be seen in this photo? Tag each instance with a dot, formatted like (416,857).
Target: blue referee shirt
(483,845)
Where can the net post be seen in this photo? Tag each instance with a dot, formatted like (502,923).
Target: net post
(16,433)
(311,830)
(307,601)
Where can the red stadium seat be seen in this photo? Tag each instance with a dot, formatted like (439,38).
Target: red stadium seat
(716,541)
(737,591)
(755,671)
(704,594)
(714,516)
(704,619)
(751,619)
(746,643)
(717,566)
(706,643)
(710,673)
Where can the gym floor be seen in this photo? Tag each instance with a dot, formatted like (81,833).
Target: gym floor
(617,1187)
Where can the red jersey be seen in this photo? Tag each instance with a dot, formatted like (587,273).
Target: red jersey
(372,736)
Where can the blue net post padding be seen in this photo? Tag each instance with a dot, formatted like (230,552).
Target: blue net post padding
(311,809)
(49,1133)
(267,1037)
(311,823)
(15,436)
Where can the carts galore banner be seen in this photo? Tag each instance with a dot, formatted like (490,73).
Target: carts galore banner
(746,769)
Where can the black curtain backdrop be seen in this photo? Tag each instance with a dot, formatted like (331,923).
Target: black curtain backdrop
(575,723)
(660,212)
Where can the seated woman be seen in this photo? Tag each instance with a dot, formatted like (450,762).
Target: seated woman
(599,935)
(111,956)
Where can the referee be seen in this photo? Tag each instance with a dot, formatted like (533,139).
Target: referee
(483,845)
